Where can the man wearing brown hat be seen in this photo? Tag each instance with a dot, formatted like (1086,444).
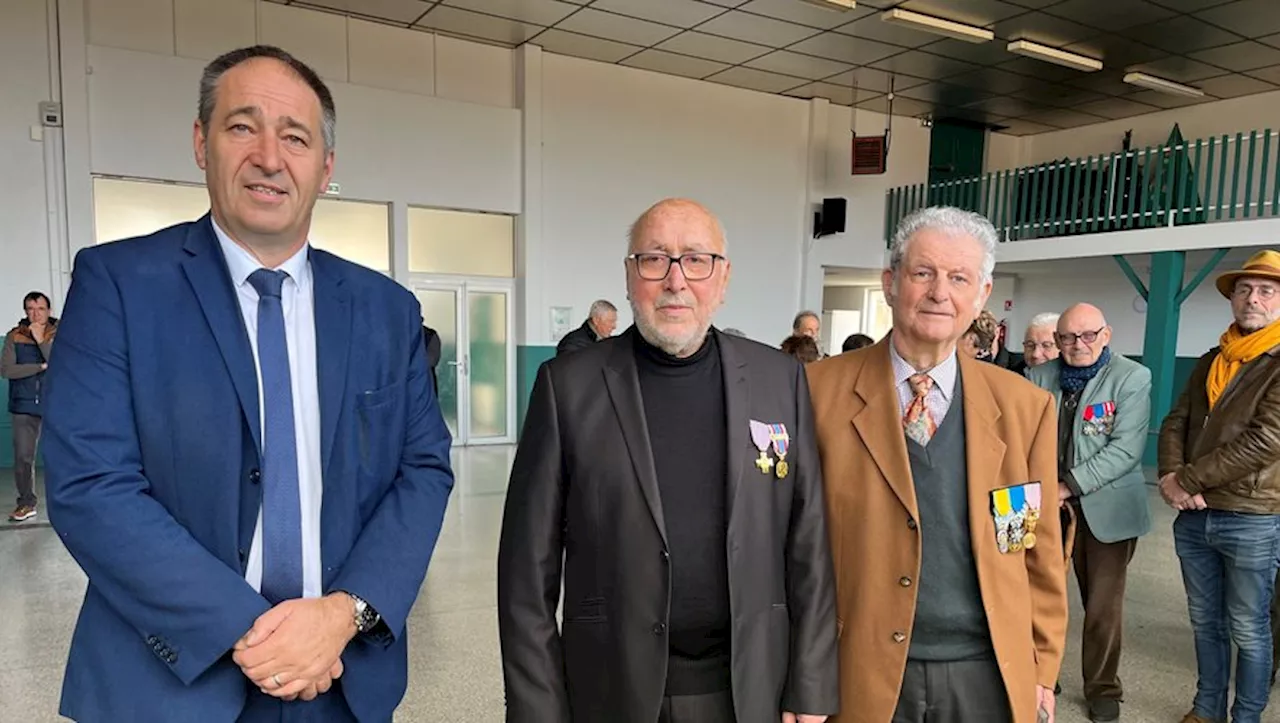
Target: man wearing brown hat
(1219,465)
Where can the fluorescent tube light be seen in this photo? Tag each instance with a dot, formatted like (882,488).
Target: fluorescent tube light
(834,4)
(938,26)
(1053,55)
(1164,86)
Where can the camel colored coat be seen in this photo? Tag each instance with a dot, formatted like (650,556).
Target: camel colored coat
(1011,439)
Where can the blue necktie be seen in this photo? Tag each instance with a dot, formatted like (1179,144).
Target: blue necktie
(281,509)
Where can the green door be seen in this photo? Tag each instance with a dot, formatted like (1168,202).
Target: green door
(956,153)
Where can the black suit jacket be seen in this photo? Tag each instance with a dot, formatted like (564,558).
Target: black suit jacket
(584,493)
(432,340)
(580,338)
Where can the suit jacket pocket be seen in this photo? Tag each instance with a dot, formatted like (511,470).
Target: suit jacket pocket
(587,610)
(380,429)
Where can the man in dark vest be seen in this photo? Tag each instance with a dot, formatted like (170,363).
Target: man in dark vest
(23,362)
(941,482)
(600,323)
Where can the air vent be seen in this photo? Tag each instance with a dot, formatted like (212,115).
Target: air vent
(868,155)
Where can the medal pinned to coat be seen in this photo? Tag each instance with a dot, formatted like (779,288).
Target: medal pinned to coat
(1016,511)
(764,436)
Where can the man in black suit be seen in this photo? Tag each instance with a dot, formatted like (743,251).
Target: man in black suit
(432,341)
(672,471)
(600,323)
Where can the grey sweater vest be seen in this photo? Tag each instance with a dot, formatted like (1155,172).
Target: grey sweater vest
(950,621)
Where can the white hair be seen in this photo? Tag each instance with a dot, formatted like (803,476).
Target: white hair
(1048,318)
(951,221)
(601,307)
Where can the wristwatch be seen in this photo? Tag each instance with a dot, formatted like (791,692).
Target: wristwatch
(366,618)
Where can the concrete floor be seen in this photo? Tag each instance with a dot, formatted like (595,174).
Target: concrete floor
(454,664)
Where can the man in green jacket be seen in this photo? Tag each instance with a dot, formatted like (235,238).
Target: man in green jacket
(1104,403)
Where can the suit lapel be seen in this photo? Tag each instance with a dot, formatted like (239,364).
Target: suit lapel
(879,424)
(206,271)
(623,383)
(737,397)
(984,452)
(333,346)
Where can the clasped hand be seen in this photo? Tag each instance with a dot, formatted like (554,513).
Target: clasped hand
(294,649)
(1178,498)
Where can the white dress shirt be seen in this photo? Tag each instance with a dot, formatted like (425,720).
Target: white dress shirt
(298,300)
(938,400)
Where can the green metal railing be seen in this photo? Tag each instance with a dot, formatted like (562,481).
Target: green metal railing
(1203,181)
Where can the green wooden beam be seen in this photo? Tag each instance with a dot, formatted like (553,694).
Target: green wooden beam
(1201,275)
(1160,343)
(1133,277)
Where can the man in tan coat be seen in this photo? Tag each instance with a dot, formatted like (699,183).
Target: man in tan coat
(941,485)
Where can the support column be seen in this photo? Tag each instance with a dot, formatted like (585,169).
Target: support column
(1160,343)
(1164,312)
(532,325)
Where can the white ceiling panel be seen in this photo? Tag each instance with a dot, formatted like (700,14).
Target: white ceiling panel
(464,22)
(756,29)
(397,11)
(583,46)
(674,64)
(535,12)
(617,27)
(713,47)
(835,46)
(801,66)
(680,13)
(756,80)
(804,13)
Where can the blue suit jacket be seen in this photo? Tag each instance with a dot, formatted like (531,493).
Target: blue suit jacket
(152,454)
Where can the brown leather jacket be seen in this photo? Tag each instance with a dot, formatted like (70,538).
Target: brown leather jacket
(1231,456)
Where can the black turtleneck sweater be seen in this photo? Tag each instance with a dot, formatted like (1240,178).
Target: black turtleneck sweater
(685,413)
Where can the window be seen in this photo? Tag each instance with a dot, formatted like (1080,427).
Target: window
(355,230)
(457,242)
(124,209)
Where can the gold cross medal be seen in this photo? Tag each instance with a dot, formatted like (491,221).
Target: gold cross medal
(760,438)
(781,441)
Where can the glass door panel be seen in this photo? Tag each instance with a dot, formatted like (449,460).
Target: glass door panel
(440,312)
(486,324)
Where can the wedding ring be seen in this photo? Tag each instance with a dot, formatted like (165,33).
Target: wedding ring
(275,678)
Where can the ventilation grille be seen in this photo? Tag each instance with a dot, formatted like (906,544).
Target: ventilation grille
(868,155)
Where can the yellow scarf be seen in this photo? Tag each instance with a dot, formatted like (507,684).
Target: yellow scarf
(1238,349)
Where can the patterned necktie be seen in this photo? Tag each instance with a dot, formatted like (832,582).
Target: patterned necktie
(918,421)
(281,509)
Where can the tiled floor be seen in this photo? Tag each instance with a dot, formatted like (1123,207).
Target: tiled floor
(455,673)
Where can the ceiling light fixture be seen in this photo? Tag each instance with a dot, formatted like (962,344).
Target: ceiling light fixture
(1164,86)
(937,26)
(1053,55)
(834,4)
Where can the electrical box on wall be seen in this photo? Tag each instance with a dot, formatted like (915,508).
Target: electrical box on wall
(51,114)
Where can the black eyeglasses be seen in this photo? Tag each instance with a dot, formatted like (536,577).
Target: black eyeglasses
(695,266)
(1087,337)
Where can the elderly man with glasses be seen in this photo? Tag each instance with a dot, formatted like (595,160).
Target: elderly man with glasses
(1039,342)
(669,478)
(1104,411)
(1220,466)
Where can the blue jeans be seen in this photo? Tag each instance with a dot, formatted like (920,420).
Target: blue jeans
(1229,564)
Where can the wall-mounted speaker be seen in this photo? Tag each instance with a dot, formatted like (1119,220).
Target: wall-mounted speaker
(831,218)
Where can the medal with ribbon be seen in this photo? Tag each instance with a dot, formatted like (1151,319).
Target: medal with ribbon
(760,438)
(778,434)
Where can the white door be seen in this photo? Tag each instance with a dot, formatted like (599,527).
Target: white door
(476,373)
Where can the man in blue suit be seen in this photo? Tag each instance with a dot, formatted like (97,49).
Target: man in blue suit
(245,453)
